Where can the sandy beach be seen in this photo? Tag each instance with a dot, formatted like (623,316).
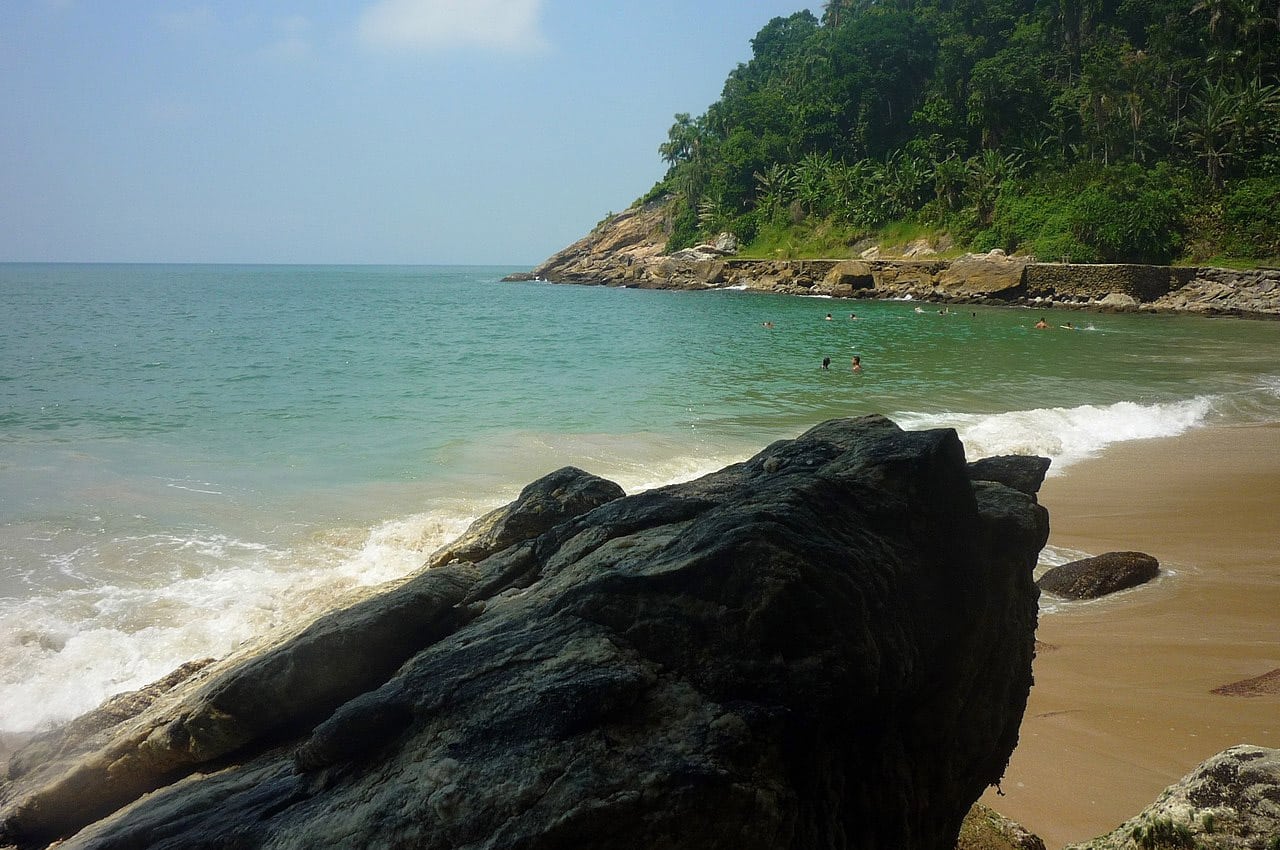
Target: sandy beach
(1123,704)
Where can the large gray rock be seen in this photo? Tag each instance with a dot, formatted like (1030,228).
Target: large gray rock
(1100,575)
(828,645)
(542,505)
(1230,802)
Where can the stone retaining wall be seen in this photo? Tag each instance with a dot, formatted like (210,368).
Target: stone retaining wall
(1096,281)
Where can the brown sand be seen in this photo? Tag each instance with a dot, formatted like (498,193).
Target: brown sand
(1123,704)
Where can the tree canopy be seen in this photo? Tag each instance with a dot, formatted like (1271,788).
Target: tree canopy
(1092,129)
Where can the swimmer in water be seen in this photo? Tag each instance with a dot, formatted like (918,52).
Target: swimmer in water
(856,363)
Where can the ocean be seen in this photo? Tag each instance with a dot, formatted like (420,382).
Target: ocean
(193,456)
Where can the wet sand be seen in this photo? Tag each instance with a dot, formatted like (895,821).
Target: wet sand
(1123,704)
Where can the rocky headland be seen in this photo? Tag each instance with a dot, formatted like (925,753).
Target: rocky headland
(828,645)
(627,250)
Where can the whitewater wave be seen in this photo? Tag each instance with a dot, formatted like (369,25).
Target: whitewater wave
(63,653)
(1067,435)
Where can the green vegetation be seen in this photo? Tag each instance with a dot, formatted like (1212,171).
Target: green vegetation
(1099,130)
(1163,834)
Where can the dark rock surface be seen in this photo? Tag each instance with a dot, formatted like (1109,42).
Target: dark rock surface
(1024,474)
(1090,578)
(828,645)
(1230,802)
(542,505)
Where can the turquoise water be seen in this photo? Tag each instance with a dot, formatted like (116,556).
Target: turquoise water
(192,455)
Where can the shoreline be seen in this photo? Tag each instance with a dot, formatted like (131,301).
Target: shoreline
(1123,701)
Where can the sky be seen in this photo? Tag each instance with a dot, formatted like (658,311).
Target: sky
(343,131)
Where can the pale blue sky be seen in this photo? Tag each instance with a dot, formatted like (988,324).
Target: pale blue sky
(343,131)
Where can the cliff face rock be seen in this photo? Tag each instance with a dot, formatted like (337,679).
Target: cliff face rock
(616,250)
(1230,802)
(828,645)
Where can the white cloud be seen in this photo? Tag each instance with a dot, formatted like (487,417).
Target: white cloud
(504,25)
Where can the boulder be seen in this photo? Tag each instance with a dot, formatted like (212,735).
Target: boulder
(1024,474)
(851,274)
(1118,301)
(542,505)
(1090,578)
(828,645)
(1230,802)
(993,273)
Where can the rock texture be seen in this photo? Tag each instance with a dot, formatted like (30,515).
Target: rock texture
(544,504)
(628,249)
(1024,474)
(1230,802)
(828,645)
(1090,578)
(986,829)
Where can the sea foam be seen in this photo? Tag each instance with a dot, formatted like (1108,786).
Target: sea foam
(1066,435)
(62,654)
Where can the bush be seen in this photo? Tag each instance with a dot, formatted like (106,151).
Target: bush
(684,228)
(1117,214)
(1251,213)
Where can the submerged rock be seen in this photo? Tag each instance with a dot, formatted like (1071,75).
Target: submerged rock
(1230,802)
(1090,578)
(828,645)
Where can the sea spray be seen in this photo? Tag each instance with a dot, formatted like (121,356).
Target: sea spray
(62,653)
(1065,435)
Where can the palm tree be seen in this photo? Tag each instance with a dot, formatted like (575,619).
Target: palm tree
(1210,129)
(776,187)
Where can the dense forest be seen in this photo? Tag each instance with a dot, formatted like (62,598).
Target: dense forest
(1092,130)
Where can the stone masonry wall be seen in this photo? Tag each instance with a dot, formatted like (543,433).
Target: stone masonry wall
(1096,281)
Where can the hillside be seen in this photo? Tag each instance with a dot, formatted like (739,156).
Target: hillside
(1136,131)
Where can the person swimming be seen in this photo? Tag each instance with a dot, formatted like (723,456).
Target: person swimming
(826,363)
(1041,325)
(856,363)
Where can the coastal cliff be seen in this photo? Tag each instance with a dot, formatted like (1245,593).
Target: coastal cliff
(627,250)
(828,645)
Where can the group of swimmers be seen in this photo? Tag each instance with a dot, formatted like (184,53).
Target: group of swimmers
(855,364)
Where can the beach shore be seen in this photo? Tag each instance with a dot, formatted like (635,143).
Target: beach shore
(1123,702)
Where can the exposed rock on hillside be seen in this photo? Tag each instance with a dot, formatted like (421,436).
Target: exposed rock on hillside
(1230,802)
(828,645)
(628,250)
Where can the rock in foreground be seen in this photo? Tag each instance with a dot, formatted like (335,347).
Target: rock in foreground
(1230,802)
(828,645)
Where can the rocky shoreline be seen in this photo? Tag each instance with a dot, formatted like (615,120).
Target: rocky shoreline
(626,250)
(827,645)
